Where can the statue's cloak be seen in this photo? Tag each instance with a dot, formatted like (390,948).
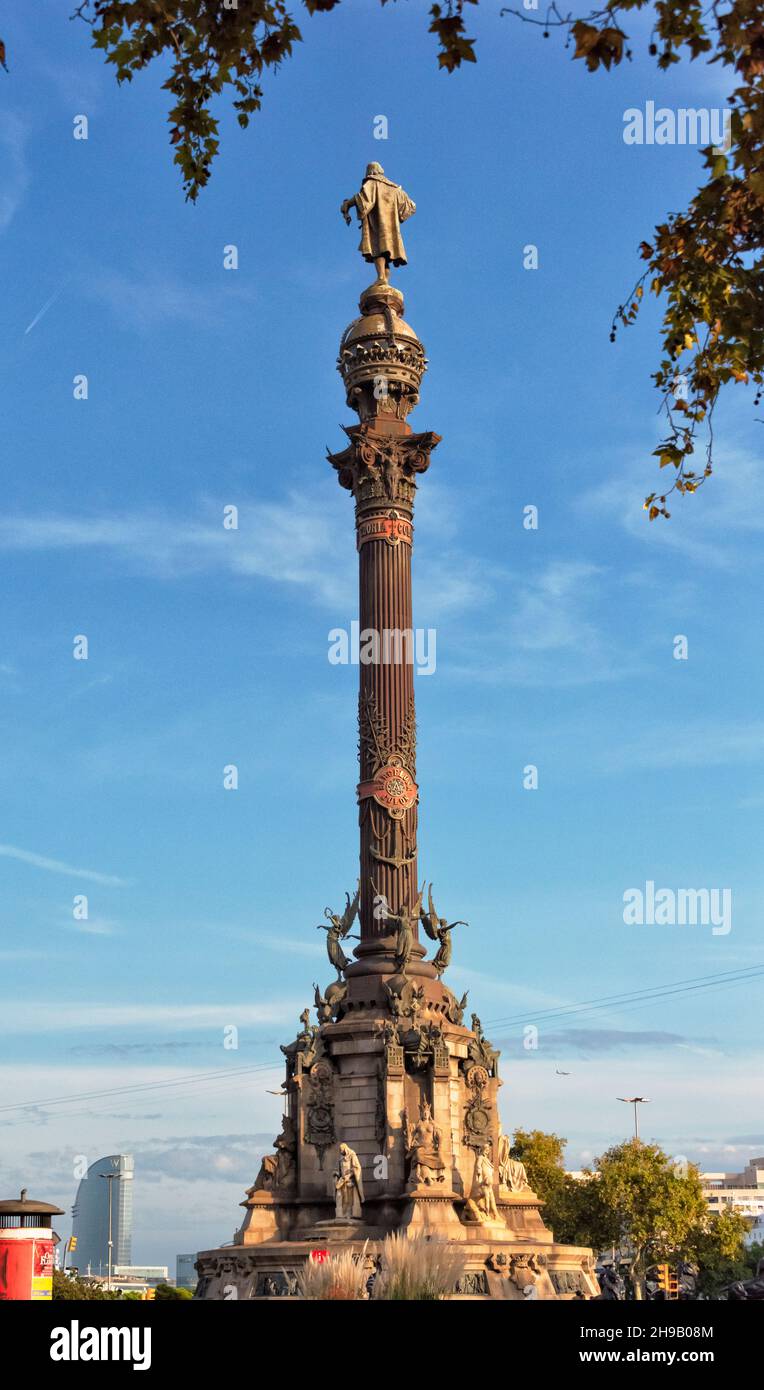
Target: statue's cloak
(382,206)
(357,1176)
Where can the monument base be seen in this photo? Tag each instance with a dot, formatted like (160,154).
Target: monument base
(400,1091)
(493,1265)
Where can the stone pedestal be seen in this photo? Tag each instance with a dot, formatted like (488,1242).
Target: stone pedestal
(431,1213)
(365,1079)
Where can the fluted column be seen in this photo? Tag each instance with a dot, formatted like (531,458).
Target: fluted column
(382,362)
(387,792)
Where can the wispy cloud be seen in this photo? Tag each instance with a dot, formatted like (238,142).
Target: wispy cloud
(447,585)
(145,302)
(93,927)
(549,630)
(14,173)
(194,1157)
(700,743)
(287,945)
(56,866)
(551,613)
(709,527)
(299,549)
(579,1041)
(132,1049)
(62,1016)
(22,955)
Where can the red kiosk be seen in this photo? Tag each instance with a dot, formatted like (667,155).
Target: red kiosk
(27,1245)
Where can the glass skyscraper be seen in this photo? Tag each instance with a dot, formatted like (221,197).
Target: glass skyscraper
(185,1274)
(90,1215)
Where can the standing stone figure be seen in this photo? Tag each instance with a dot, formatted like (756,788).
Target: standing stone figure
(381,206)
(348,1185)
(482,1202)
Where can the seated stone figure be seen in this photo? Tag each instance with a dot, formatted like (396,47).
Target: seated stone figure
(278,1171)
(422,1142)
(512,1174)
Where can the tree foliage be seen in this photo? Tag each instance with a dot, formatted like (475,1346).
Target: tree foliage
(717,1248)
(69,1287)
(168,1293)
(571,1207)
(636,1201)
(705,263)
(646,1206)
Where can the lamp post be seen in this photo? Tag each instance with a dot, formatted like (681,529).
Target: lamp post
(110,1177)
(635,1101)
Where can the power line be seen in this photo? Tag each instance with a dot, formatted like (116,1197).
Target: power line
(639,996)
(633,998)
(139,1087)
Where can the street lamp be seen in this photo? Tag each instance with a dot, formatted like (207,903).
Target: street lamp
(635,1101)
(110,1178)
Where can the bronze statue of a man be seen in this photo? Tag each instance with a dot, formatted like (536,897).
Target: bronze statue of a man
(381,206)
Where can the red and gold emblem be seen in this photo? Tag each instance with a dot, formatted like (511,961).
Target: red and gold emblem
(393,787)
(391,528)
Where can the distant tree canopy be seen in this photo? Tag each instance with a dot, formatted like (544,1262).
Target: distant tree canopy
(69,1287)
(706,262)
(637,1200)
(167,1293)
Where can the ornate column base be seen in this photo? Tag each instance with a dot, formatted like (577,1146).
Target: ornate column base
(266,1219)
(430,1212)
(521,1213)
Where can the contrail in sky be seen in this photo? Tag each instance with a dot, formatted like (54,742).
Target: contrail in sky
(46,306)
(55,866)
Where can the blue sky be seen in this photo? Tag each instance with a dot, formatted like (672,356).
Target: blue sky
(208,647)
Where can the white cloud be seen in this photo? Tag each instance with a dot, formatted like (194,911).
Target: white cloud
(699,743)
(56,866)
(14,174)
(286,945)
(709,527)
(42,1016)
(94,926)
(448,585)
(551,608)
(289,542)
(149,301)
(549,631)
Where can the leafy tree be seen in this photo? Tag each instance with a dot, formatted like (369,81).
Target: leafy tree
(716,1246)
(571,1207)
(542,1155)
(705,263)
(646,1206)
(69,1287)
(165,1293)
(636,1200)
